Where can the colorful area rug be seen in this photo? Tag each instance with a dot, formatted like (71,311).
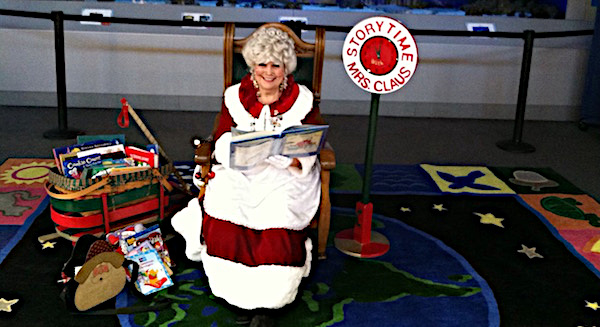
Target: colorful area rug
(469,246)
(22,198)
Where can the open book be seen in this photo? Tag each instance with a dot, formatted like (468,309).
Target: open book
(251,148)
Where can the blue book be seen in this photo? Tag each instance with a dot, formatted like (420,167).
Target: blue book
(152,276)
(73,167)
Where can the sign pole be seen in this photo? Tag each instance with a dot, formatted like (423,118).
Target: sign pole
(366,187)
(380,56)
(361,241)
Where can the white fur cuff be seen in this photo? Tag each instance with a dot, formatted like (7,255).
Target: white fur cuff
(306,163)
(188,223)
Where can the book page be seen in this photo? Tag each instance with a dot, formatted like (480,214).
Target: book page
(239,135)
(302,144)
(250,149)
(249,154)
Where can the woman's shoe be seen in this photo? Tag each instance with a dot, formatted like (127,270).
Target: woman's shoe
(243,319)
(262,321)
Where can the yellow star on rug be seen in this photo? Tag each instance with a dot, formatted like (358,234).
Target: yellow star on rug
(439,207)
(5,304)
(592,305)
(405,209)
(48,244)
(489,219)
(530,252)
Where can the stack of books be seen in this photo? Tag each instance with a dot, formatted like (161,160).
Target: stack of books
(145,246)
(101,155)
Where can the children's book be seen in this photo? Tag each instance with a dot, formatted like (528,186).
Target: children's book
(117,238)
(154,236)
(74,167)
(143,156)
(145,246)
(106,167)
(117,149)
(251,148)
(75,164)
(152,275)
(152,148)
(57,152)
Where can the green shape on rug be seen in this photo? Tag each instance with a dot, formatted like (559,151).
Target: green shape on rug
(383,281)
(568,207)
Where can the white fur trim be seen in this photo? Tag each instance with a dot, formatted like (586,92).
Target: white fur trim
(235,107)
(188,223)
(223,149)
(267,286)
(301,107)
(293,117)
(306,164)
(263,199)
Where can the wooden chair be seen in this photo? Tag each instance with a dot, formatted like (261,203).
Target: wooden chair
(309,72)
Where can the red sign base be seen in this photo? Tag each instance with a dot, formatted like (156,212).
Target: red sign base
(360,241)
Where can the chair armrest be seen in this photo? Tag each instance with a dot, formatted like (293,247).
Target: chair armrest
(202,153)
(327,157)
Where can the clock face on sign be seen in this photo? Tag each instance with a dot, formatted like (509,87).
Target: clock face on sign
(379,55)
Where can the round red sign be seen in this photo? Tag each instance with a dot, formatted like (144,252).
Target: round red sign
(380,55)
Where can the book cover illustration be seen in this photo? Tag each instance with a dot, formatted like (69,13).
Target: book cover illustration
(117,238)
(154,236)
(142,156)
(251,148)
(73,167)
(152,276)
(145,246)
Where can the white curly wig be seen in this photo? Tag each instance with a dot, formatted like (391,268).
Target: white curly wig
(270,45)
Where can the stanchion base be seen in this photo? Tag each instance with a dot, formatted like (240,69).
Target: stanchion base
(515,147)
(345,242)
(62,134)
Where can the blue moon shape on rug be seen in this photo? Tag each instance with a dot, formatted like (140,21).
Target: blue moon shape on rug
(426,258)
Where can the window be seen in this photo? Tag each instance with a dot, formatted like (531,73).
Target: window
(554,9)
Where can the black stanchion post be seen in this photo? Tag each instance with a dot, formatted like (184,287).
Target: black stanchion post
(63,132)
(516,145)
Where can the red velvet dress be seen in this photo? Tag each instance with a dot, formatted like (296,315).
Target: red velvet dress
(255,248)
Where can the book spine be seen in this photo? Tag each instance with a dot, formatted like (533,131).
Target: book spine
(57,152)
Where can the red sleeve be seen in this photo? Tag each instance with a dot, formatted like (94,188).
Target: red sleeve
(314,116)
(225,122)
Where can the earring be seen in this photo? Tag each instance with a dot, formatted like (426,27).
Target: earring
(283,84)
(255,84)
